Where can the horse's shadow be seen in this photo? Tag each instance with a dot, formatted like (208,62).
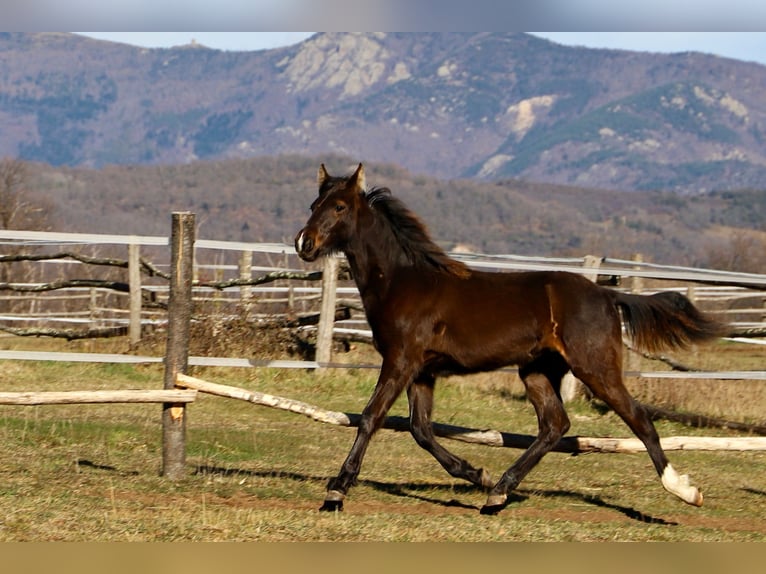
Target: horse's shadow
(416,491)
(754,491)
(631,513)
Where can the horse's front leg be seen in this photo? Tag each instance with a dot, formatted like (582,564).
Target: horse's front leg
(391,382)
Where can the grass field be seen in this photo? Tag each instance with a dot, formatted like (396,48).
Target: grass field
(92,472)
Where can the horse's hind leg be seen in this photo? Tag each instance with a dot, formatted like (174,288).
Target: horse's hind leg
(420,395)
(543,393)
(608,386)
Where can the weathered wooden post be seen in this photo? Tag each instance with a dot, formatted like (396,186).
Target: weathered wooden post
(134,281)
(571,387)
(327,310)
(592,262)
(691,293)
(633,362)
(246,273)
(92,307)
(637,283)
(177,351)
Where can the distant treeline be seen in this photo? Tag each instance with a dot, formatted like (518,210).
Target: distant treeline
(267,199)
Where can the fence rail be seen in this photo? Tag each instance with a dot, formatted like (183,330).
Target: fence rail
(230,277)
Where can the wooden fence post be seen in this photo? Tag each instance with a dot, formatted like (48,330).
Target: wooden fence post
(571,387)
(246,272)
(134,281)
(592,262)
(691,293)
(92,307)
(177,351)
(327,310)
(637,283)
(633,362)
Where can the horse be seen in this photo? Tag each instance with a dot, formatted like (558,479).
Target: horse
(431,315)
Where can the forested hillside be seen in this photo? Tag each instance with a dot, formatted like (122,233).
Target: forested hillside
(267,199)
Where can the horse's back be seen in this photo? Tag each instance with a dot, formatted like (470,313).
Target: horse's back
(527,288)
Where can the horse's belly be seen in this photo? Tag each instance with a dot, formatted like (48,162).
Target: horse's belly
(486,351)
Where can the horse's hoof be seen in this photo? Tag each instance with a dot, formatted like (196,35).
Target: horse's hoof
(680,486)
(333,501)
(495,503)
(332,506)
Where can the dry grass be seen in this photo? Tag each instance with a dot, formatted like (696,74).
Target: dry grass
(93,472)
(740,400)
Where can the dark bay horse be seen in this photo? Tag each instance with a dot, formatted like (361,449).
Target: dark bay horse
(432,315)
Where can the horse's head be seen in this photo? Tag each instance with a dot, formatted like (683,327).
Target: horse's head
(333,214)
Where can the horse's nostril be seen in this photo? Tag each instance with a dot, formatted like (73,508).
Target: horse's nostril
(303,244)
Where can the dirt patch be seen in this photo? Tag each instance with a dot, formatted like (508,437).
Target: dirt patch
(598,513)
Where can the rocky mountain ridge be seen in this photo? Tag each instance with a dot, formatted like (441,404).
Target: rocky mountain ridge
(452,105)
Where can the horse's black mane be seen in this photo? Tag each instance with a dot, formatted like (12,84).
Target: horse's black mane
(411,234)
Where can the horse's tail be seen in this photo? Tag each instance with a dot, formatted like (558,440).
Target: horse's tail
(665,320)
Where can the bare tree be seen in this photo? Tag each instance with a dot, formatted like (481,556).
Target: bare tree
(18,210)
(744,251)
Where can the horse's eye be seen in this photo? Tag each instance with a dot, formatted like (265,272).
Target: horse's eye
(340,207)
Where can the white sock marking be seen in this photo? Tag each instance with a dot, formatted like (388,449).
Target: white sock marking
(679,485)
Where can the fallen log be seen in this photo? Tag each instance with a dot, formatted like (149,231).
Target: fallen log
(572,445)
(95,397)
(267,278)
(255,397)
(68,334)
(65,284)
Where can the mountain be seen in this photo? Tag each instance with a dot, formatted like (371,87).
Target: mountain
(451,105)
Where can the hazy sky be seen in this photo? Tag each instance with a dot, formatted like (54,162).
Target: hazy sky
(383,15)
(749,46)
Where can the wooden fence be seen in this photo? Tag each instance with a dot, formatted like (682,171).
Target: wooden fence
(132,294)
(174,290)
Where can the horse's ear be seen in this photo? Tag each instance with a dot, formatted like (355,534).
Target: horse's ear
(322,176)
(359,179)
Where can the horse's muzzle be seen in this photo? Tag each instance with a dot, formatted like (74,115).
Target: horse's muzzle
(304,246)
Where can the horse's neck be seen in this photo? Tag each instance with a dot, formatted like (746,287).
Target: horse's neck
(368,273)
(372,270)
